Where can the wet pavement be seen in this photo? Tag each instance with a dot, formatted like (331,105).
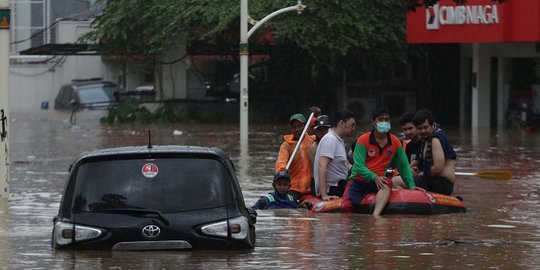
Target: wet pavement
(501,229)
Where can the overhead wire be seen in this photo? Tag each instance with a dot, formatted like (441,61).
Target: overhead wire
(60,61)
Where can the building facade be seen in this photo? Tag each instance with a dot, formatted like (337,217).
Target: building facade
(499,60)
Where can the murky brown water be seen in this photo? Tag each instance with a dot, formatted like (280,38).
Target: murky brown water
(501,229)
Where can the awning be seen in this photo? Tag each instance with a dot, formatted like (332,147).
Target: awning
(61,49)
(198,51)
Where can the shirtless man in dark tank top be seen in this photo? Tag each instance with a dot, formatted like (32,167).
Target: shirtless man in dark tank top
(434,167)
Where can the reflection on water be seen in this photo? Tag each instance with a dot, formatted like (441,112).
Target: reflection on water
(501,229)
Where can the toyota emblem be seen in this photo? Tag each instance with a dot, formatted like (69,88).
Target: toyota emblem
(151,231)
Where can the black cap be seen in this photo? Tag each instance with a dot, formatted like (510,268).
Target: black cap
(282,175)
(322,121)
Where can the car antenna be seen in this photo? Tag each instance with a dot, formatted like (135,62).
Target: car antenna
(149,139)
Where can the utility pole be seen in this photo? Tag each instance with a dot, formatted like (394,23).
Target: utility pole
(5,19)
(244,58)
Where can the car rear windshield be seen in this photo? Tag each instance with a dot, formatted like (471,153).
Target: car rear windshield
(167,185)
(97,94)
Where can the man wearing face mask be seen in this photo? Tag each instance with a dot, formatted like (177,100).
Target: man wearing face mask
(373,153)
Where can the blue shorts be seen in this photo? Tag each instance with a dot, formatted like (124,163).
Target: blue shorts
(359,189)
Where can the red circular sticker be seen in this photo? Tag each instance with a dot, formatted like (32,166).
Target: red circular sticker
(150,170)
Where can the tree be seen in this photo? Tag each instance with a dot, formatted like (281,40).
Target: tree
(326,29)
(328,39)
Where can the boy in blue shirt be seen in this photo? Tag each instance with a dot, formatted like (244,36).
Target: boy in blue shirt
(279,198)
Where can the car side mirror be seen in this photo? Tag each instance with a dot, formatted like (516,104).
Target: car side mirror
(73,103)
(252,215)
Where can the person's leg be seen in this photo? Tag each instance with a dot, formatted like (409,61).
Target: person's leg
(440,185)
(334,191)
(357,192)
(398,183)
(346,204)
(381,200)
(312,187)
(420,182)
(339,189)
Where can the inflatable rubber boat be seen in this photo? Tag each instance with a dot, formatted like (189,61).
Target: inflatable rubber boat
(402,201)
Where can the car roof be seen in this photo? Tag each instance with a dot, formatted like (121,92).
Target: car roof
(144,88)
(94,83)
(156,149)
(88,82)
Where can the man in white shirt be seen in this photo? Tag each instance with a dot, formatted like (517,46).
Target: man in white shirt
(331,166)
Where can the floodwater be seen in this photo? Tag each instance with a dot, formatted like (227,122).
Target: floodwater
(501,229)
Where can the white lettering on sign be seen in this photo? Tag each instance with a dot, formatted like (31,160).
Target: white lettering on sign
(437,16)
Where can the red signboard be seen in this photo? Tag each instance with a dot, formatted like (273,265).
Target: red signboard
(478,21)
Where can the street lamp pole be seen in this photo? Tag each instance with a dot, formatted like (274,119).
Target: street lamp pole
(5,18)
(244,58)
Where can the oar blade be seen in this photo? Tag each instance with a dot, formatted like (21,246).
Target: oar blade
(497,175)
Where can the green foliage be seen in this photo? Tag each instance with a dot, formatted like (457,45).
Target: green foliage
(327,30)
(129,112)
(167,113)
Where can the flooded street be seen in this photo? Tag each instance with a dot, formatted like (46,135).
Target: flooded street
(501,229)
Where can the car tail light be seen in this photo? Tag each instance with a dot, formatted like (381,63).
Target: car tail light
(216,229)
(238,228)
(65,233)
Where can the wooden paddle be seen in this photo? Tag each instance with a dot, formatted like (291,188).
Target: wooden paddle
(496,175)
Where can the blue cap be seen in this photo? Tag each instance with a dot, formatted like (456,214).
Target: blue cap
(282,175)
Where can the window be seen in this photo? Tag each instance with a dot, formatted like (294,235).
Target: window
(96,94)
(181,184)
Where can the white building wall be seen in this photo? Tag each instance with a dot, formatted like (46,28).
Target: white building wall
(174,75)
(70,31)
(33,84)
(34,81)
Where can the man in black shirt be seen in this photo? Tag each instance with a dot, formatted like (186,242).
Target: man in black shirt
(411,141)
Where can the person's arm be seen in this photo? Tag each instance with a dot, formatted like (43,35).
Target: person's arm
(323,168)
(312,150)
(414,165)
(283,158)
(359,167)
(259,205)
(402,163)
(437,153)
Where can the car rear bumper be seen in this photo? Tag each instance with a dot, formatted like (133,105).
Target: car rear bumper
(153,245)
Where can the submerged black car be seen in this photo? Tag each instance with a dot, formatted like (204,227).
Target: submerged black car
(91,93)
(153,198)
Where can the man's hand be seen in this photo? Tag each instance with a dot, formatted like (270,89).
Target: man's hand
(381,183)
(307,205)
(415,171)
(315,110)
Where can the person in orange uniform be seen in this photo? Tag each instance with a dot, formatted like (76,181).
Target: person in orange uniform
(299,169)
(373,153)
